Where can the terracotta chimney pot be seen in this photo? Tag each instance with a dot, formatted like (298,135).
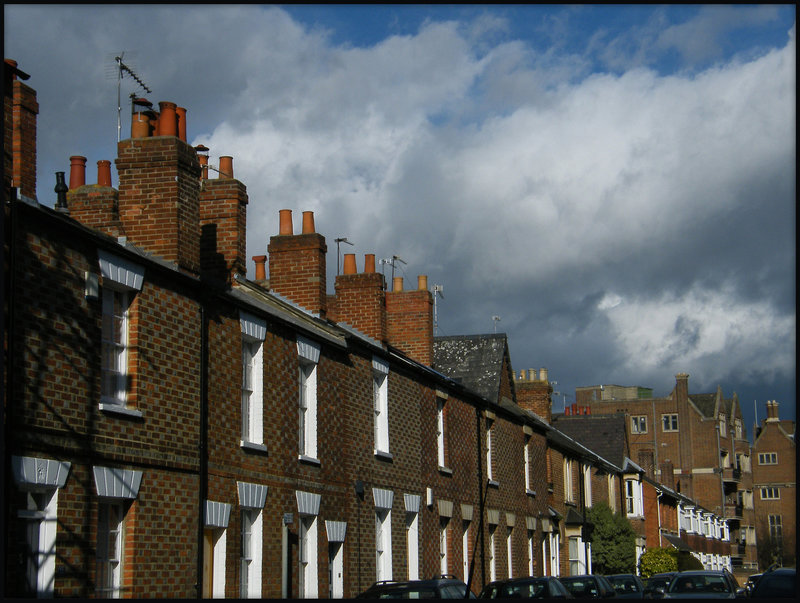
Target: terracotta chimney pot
(261,272)
(369,263)
(285,222)
(308,222)
(140,125)
(168,121)
(397,283)
(350,264)
(154,123)
(203,159)
(77,171)
(422,282)
(104,172)
(181,113)
(226,167)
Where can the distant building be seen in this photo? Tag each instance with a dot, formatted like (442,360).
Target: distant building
(775,489)
(695,444)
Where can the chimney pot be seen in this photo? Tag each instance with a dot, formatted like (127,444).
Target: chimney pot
(543,375)
(261,272)
(397,283)
(350,264)
(226,166)
(140,125)
(203,160)
(104,172)
(369,263)
(308,222)
(422,282)
(168,120)
(181,113)
(285,222)
(77,171)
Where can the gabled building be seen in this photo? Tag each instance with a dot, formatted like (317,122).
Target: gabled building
(775,488)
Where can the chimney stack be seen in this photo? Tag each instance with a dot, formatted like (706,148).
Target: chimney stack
(535,394)
(772,411)
(19,141)
(223,225)
(297,265)
(360,299)
(159,182)
(409,320)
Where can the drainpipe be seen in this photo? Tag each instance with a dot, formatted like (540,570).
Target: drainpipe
(483,490)
(658,510)
(202,447)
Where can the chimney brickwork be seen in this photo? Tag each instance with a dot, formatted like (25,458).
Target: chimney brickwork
(21,108)
(409,322)
(159,179)
(297,269)
(534,393)
(223,228)
(360,301)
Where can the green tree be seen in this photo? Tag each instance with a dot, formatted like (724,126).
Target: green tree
(613,541)
(658,561)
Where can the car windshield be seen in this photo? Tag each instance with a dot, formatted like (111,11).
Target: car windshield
(580,587)
(699,584)
(527,589)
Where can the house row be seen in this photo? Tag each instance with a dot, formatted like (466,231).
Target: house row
(175,429)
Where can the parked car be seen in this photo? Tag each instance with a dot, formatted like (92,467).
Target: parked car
(780,583)
(657,581)
(545,587)
(704,584)
(588,586)
(628,586)
(441,587)
(752,579)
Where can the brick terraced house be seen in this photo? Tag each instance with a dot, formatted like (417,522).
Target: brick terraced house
(173,429)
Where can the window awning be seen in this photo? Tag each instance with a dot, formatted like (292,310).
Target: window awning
(677,542)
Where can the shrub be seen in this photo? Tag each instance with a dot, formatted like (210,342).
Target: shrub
(658,561)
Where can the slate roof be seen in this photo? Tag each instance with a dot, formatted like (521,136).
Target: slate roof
(705,403)
(475,361)
(604,435)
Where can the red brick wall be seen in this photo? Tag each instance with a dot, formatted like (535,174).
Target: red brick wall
(23,113)
(223,228)
(297,269)
(360,302)
(409,323)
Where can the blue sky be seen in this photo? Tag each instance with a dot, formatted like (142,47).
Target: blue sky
(616,183)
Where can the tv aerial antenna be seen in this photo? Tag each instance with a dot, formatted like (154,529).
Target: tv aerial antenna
(438,291)
(496,319)
(121,69)
(393,262)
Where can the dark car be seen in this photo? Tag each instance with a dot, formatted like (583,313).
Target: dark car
(704,584)
(588,586)
(655,582)
(780,583)
(545,587)
(442,587)
(628,586)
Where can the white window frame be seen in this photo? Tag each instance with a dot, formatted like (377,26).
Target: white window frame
(577,556)
(41,516)
(252,391)
(775,525)
(489,451)
(114,366)
(250,559)
(587,486)
(444,541)
(526,452)
(638,424)
(380,399)
(440,433)
(412,544)
(554,543)
(531,551)
(383,544)
(510,550)
(465,539)
(569,489)
(110,547)
(669,422)
(612,492)
(492,553)
(307,557)
(633,498)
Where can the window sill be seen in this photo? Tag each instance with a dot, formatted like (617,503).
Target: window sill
(252,446)
(384,456)
(118,409)
(530,492)
(308,460)
(445,471)
(494,483)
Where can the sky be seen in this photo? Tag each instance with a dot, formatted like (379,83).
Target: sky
(613,187)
